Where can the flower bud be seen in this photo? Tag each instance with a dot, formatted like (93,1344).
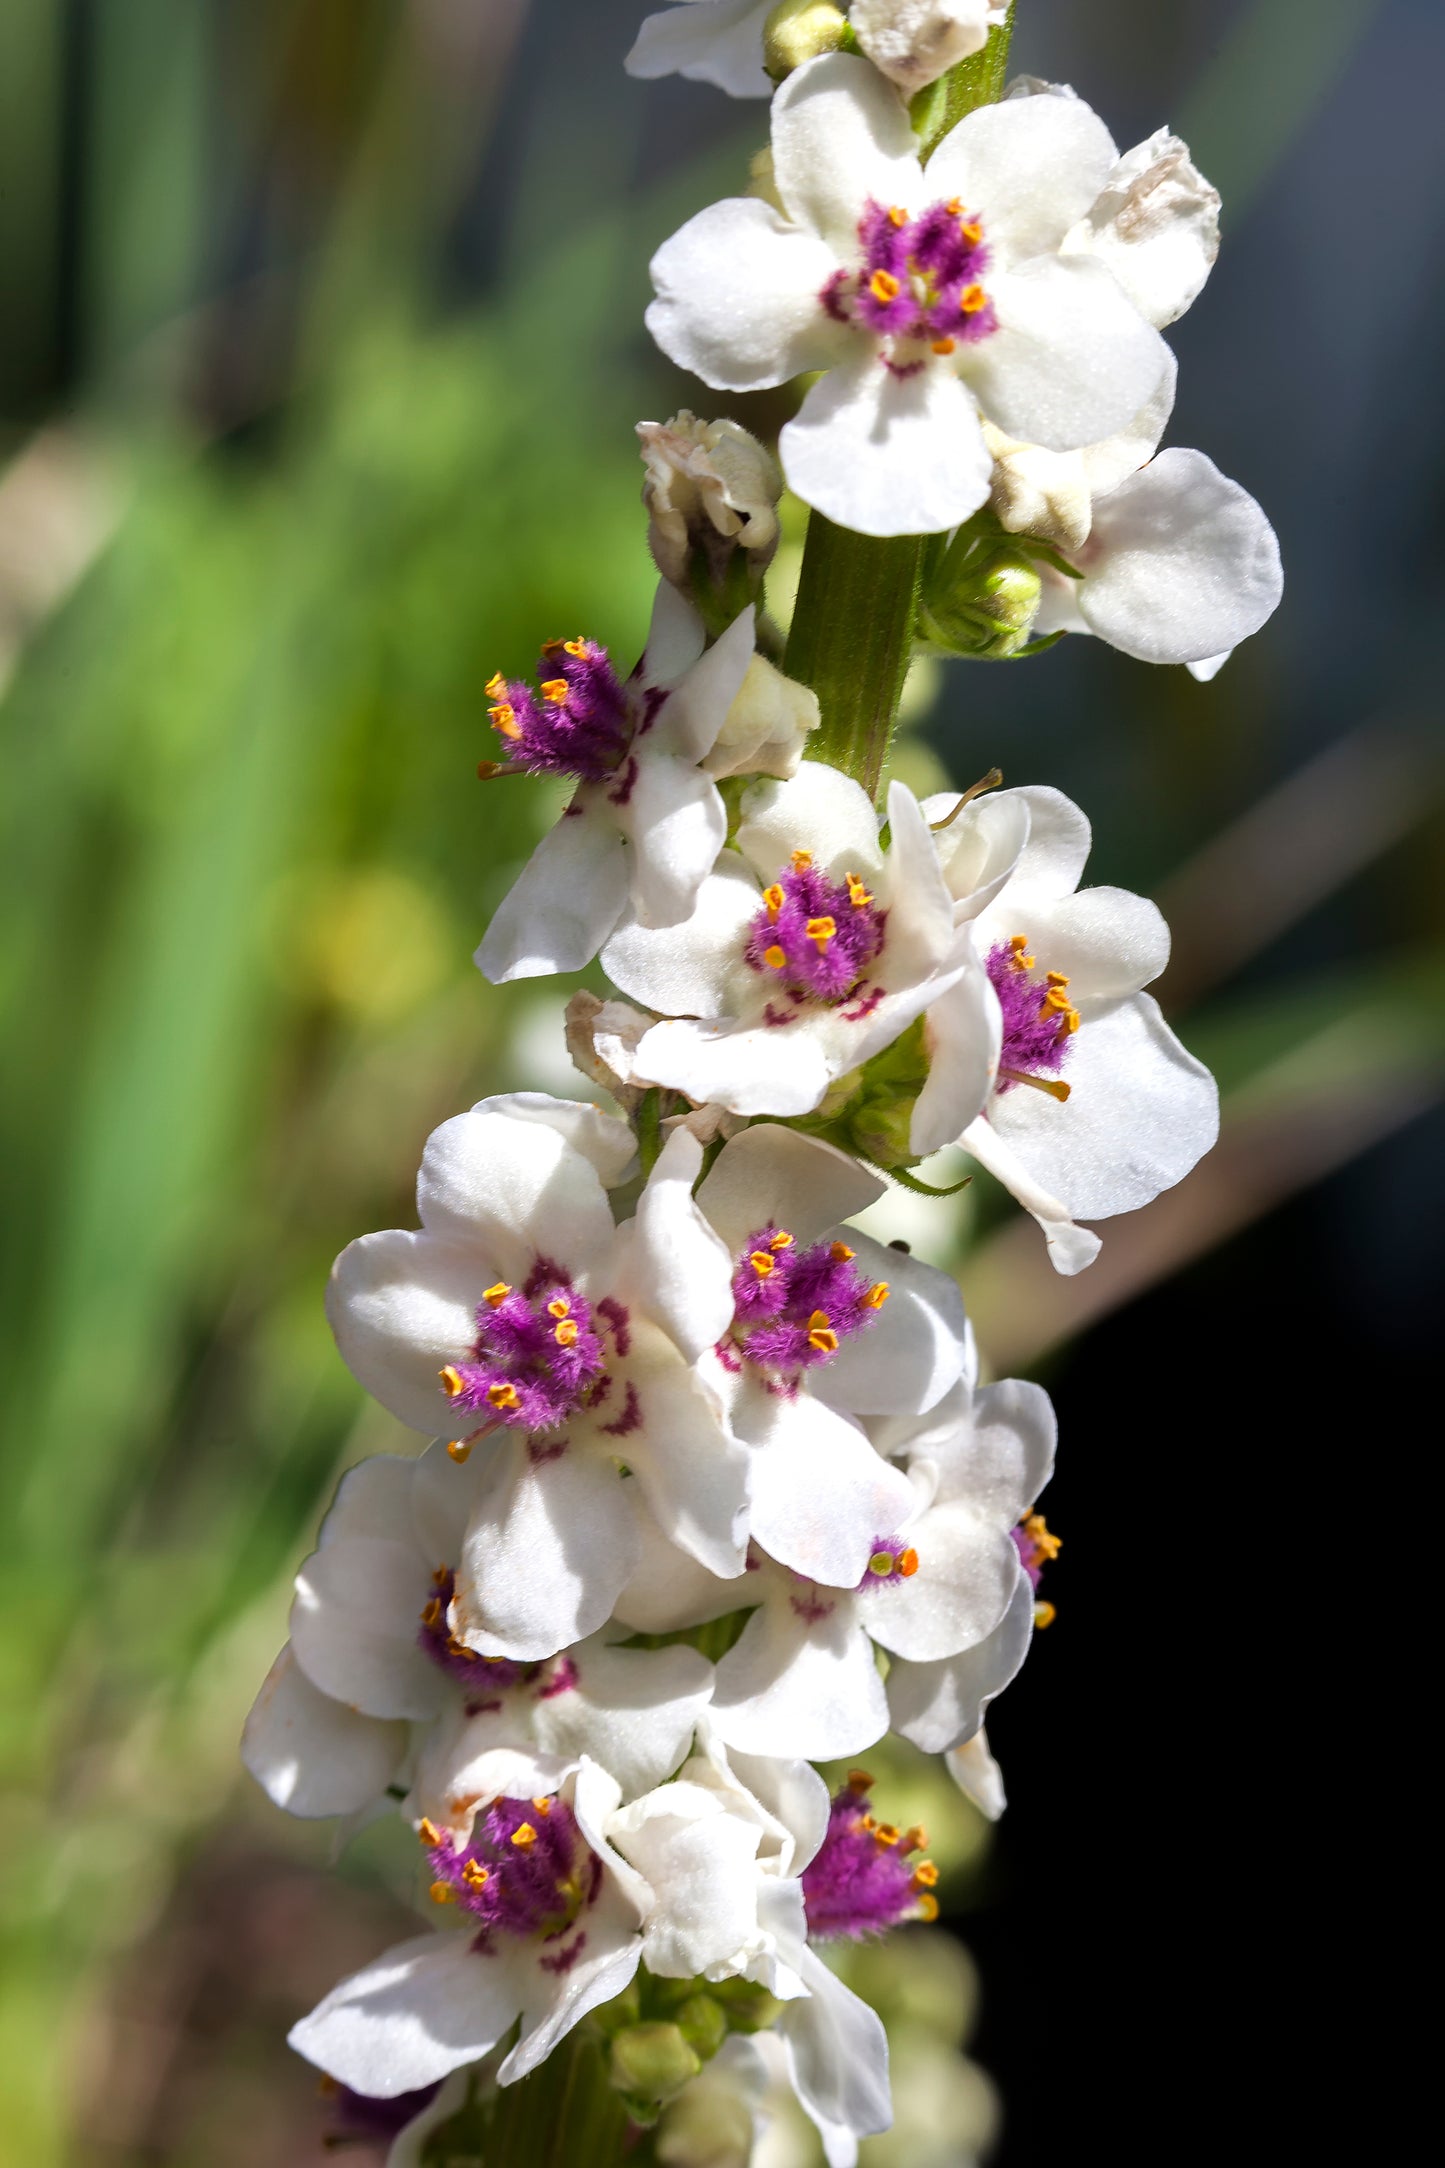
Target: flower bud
(652,2061)
(913,42)
(986,608)
(799,30)
(703,2025)
(1041,493)
(711,493)
(765,729)
(878,1118)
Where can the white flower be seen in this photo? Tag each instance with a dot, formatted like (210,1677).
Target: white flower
(924,295)
(828,1325)
(524,1319)
(1180,565)
(810,950)
(913,42)
(945,1592)
(646,821)
(1051,494)
(977,1774)
(708,486)
(549,1934)
(1096,1106)
(373,1685)
(708,41)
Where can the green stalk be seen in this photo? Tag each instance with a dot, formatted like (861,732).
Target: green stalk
(856,615)
(565,2115)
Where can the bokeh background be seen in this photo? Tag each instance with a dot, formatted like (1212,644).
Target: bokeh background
(321,352)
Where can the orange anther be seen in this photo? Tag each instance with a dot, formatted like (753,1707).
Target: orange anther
(944,346)
(523,1835)
(556,690)
(877,1295)
(428,1832)
(971,300)
(883,286)
(908,1563)
(821,930)
(840,1253)
(897,216)
(802,861)
(774,957)
(774,899)
(763,1263)
(925,1875)
(494,1297)
(503,1396)
(452,1381)
(782,1240)
(442,1893)
(459,1450)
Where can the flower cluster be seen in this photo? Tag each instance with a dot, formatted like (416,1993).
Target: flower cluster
(711,1486)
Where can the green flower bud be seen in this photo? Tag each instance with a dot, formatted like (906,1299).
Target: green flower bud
(748,2008)
(799,30)
(652,2061)
(985,607)
(624,2009)
(703,2025)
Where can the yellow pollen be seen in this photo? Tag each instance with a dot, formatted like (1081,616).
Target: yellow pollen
(866,1821)
(821,1334)
(475,1875)
(972,231)
(802,861)
(428,1832)
(559,1306)
(925,1875)
(858,895)
(1057,978)
(944,346)
(763,1263)
(459,1450)
(774,899)
(1037,1529)
(915,1839)
(1057,1003)
(441,1577)
(954,206)
(821,930)
(504,719)
(860,1780)
(883,286)
(496,1296)
(782,1240)
(452,1381)
(574,647)
(877,1295)
(898,216)
(886,1834)
(565,1333)
(840,1253)
(971,300)
(908,1563)
(442,1893)
(543,1806)
(881,1563)
(1018,943)
(1044,1615)
(555,690)
(459,1648)
(524,1835)
(774,957)
(502,1396)
(497,687)
(927,1906)
(432,1613)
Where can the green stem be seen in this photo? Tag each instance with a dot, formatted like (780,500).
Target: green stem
(856,614)
(565,2115)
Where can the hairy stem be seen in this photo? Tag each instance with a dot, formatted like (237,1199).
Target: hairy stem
(565,2115)
(854,623)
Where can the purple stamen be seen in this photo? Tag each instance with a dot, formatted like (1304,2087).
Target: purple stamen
(579,723)
(537,1358)
(919,286)
(525,1870)
(482,1676)
(863,1879)
(1036,1546)
(814,938)
(794,1308)
(1037,1028)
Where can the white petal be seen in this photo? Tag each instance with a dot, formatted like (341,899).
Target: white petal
(1181,563)
(422,2010)
(1108,941)
(549,1550)
(442,1496)
(602,1138)
(565,901)
(751,1070)
(676,637)
(354,1625)
(408,2149)
(1072,361)
(372,1499)
(689,970)
(1111,462)
(1002,1452)
(467,1761)
(967,1572)
(771,1173)
(515,1188)
(915,1351)
(693,1476)
(402,1306)
(821,1496)
(1140,1113)
(838,2051)
(792,1686)
(841,134)
(738,297)
(794,1794)
(977,1775)
(700,1863)
(711,41)
(312,1755)
(679,1267)
(668,1589)
(632,1710)
(819,810)
(1055,853)
(939,1705)
(1070,1248)
(1156,226)
(962,1031)
(920,908)
(979,848)
(889,455)
(608,1950)
(1029,167)
(675,820)
(1209,667)
(697,708)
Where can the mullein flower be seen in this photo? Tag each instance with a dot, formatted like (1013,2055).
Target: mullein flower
(528,1328)
(711,492)
(925,295)
(374,1689)
(708,41)
(913,42)
(810,950)
(723,42)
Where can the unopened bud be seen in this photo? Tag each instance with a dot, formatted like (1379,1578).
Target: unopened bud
(703,2025)
(986,608)
(711,493)
(1041,493)
(799,30)
(913,42)
(765,730)
(652,2061)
